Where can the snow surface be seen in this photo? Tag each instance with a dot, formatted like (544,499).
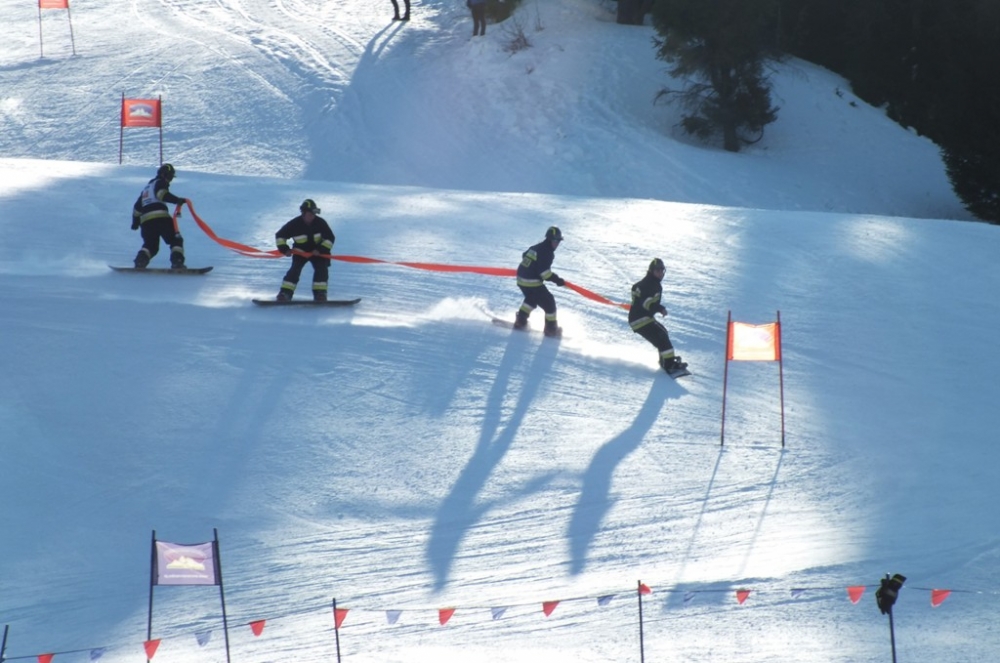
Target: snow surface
(406,455)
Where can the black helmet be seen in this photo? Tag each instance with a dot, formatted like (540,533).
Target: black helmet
(309,205)
(656,265)
(553,233)
(166,171)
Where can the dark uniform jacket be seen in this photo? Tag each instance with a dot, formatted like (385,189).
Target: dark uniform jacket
(307,236)
(536,266)
(152,201)
(645,301)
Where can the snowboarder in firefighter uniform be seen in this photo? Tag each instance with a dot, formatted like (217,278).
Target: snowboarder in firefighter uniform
(151,214)
(535,269)
(311,235)
(645,304)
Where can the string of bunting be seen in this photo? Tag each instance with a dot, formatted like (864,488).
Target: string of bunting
(444,615)
(252,252)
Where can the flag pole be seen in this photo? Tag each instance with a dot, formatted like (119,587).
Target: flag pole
(781,378)
(41,50)
(121,129)
(159,100)
(336,628)
(642,643)
(152,581)
(69,17)
(725,376)
(222,593)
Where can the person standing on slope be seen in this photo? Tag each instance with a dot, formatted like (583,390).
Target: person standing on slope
(645,304)
(478,9)
(395,8)
(312,242)
(535,269)
(151,214)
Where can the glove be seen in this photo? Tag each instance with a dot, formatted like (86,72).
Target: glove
(135,223)
(558,280)
(662,310)
(285,251)
(182,201)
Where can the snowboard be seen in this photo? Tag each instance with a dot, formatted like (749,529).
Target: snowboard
(678,373)
(185,271)
(509,324)
(306,302)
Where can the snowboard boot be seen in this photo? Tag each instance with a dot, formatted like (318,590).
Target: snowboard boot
(672,364)
(284,295)
(142,259)
(552,329)
(177,260)
(319,295)
(520,320)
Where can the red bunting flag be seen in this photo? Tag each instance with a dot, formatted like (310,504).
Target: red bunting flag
(741,595)
(340,614)
(150,647)
(45,658)
(854,593)
(938,596)
(644,588)
(549,606)
(444,614)
(258,626)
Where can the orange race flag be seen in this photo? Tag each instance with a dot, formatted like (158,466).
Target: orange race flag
(140,113)
(54,4)
(747,342)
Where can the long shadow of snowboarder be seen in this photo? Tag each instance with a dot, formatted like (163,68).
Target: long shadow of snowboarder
(460,510)
(594,502)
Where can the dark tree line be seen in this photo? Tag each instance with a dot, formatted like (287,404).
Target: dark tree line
(933,64)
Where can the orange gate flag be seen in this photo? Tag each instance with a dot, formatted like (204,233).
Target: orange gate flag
(142,112)
(746,342)
(54,4)
(754,342)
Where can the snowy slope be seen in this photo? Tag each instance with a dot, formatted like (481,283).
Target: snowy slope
(338,92)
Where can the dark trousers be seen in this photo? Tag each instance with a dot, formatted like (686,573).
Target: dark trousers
(321,271)
(478,18)
(538,296)
(656,334)
(162,228)
(395,8)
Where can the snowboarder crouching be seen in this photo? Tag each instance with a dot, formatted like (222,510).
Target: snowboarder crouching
(645,304)
(535,269)
(312,242)
(151,214)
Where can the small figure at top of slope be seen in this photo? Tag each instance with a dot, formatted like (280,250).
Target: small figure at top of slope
(312,241)
(478,9)
(395,9)
(151,215)
(535,269)
(646,295)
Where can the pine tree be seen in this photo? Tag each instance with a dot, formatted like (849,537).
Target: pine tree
(719,47)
